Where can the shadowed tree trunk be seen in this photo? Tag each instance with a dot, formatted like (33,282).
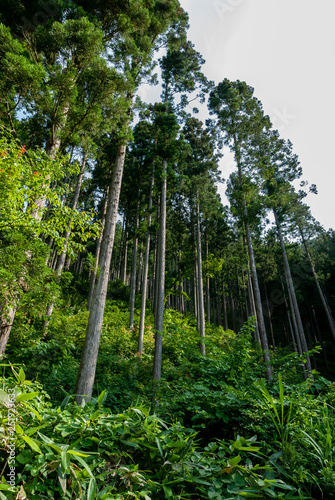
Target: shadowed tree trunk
(201,307)
(160,277)
(97,254)
(89,358)
(145,270)
(295,307)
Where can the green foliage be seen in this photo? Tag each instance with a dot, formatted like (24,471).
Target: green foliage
(28,177)
(23,272)
(133,454)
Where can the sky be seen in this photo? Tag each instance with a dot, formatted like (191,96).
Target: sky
(284,49)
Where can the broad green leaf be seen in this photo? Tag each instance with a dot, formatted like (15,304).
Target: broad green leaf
(84,464)
(102,397)
(62,479)
(91,489)
(18,429)
(234,461)
(33,445)
(65,461)
(79,453)
(22,376)
(26,396)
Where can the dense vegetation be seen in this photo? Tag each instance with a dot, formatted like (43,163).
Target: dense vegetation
(154,343)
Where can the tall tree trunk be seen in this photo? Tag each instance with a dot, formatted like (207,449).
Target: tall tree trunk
(293,324)
(7,318)
(140,270)
(121,246)
(123,275)
(292,294)
(200,282)
(61,259)
(134,268)
(160,277)
(93,276)
(89,358)
(208,300)
(269,316)
(321,294)
(258,302)
(224,299)
(145,269)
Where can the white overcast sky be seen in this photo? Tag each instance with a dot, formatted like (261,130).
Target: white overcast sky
(285,50)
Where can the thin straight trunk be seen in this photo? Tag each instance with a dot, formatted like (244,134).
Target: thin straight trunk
(245,295)
(89,358)
(269,316)
(68,263)
(7,319)
(121,247)
(232,306)
(140,270)
(58,268)
(62,257)
(217,301)
(292,322)
(258,303)
(224,299)
(200,282)
(319,336)
(134,268)
(290,287)
(195,291)
(123,276)
(257,337)
(145,269)
(157,261)
(190,296)
(93,276)
(321,294)
(159,318)
(208,300)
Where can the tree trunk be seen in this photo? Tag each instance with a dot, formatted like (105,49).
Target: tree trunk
(208,300)
(321,294)
(140,270)
(93,276)
(133,269)
(292,294)
(258,303)
(269,316)
(7,319)
(121,247)
(160,277)
(123,275)
(200,283)
(61,259)
(89,358)
(145,269)
(224,299)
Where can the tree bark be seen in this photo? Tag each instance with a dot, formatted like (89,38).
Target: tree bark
(292,294)
(160,277)
(7,319)
(321,294)
(258,303)
(145,270)
(133,270)
(200,282)
(208,300)
(89,358)
(61,259)
(93,276)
